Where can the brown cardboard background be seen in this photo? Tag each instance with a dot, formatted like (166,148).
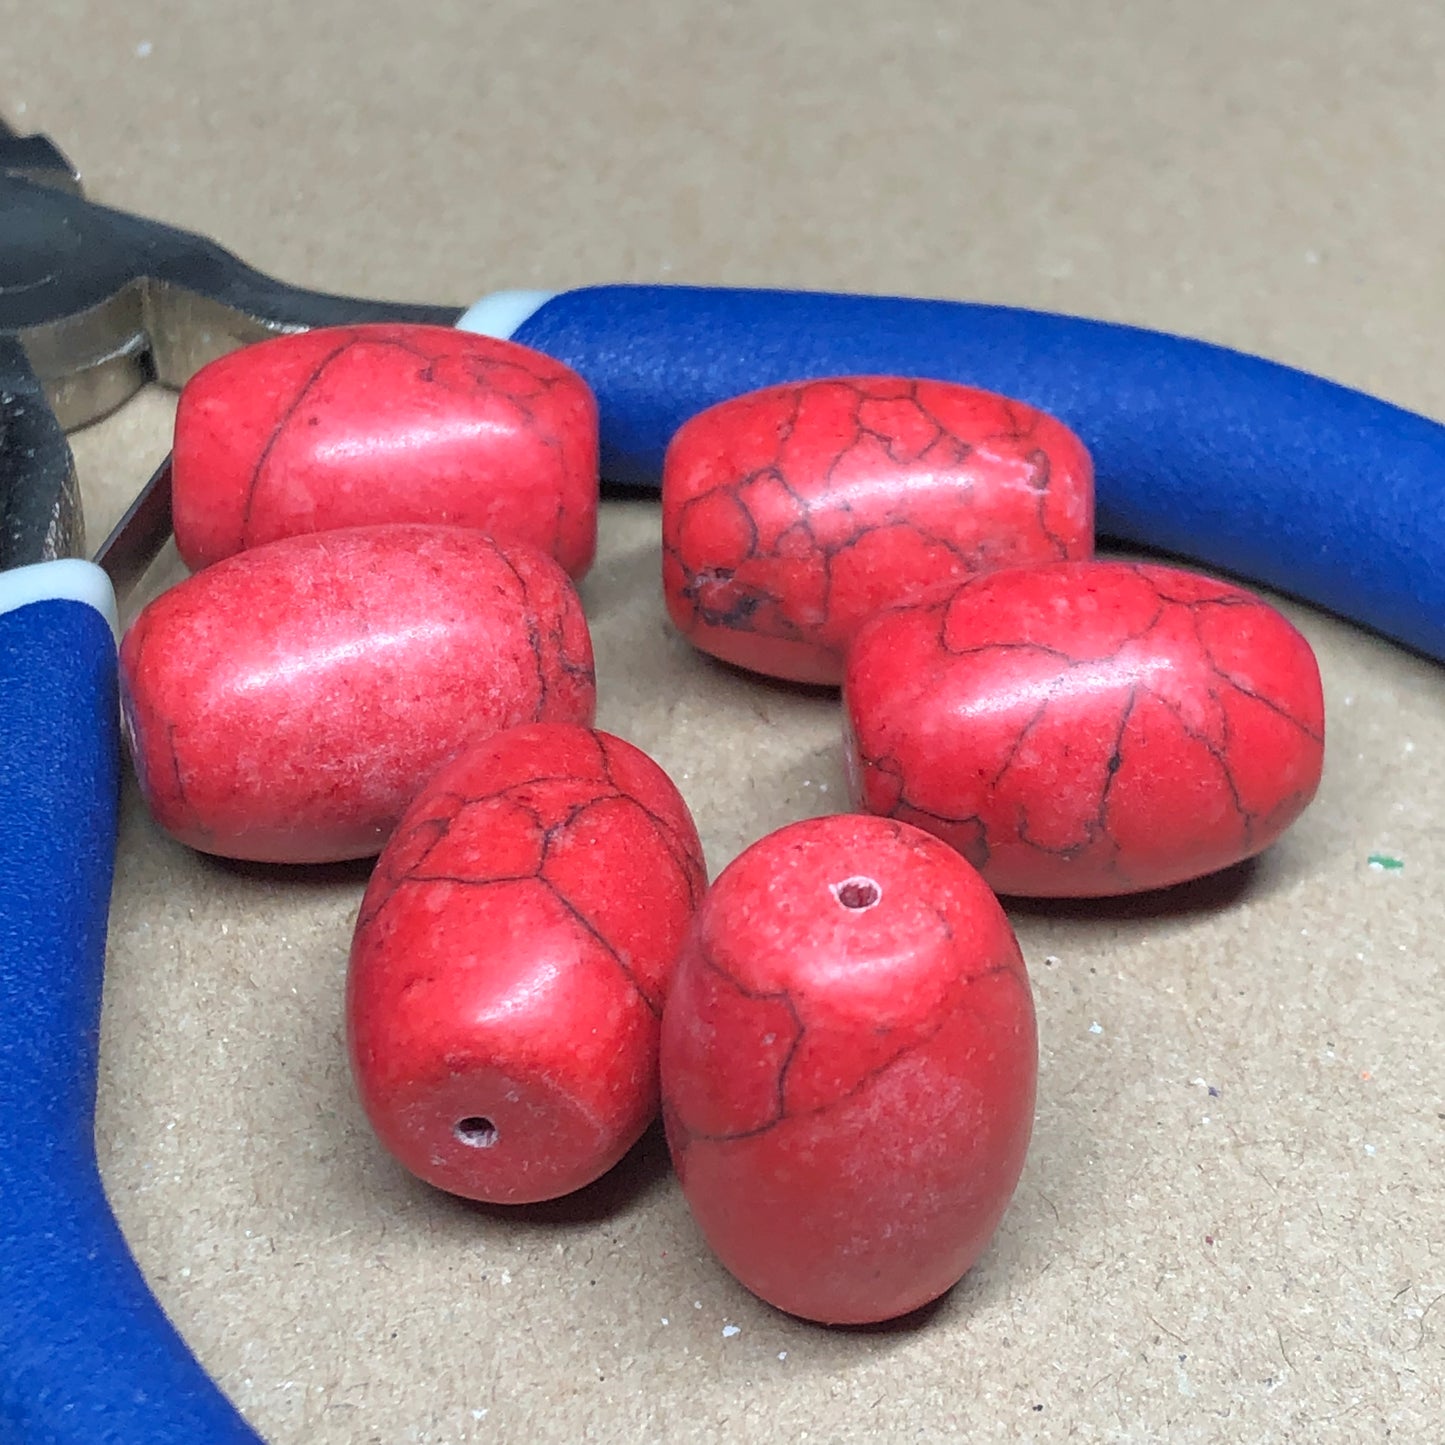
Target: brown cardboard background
(1264,174)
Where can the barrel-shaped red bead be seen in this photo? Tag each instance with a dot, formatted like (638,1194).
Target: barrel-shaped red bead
(849,1063)
(793,514)
(359,425)
(1088,729)
(286,704)
(512,956)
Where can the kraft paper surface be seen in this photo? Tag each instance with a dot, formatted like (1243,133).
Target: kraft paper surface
(1231,1224)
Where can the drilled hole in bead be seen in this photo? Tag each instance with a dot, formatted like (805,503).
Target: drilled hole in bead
(857,893)
(476,1132)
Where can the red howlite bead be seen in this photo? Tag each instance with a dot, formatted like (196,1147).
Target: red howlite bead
(356,425)
(791,515)
(511,959)
(849,1063)
(286,704)
(1088,729)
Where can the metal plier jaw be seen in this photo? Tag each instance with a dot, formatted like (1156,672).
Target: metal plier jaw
(96,303)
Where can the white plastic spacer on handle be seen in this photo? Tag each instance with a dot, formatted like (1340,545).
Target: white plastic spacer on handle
(68,580)
(501,313)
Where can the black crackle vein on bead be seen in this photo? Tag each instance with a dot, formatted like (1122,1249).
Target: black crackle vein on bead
(410,852)
(966,830)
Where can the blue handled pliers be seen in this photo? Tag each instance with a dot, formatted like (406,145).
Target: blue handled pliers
(1202,453)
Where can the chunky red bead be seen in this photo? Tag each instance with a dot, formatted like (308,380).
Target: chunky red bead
(356,425)
(849,1063)
(1088,729)
(511,959)
(791,515)
(286,704)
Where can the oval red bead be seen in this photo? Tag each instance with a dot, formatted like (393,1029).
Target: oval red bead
(849,1066)
(1088,729)
(793,514)
(511,959)
(360,425)
(286,704)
